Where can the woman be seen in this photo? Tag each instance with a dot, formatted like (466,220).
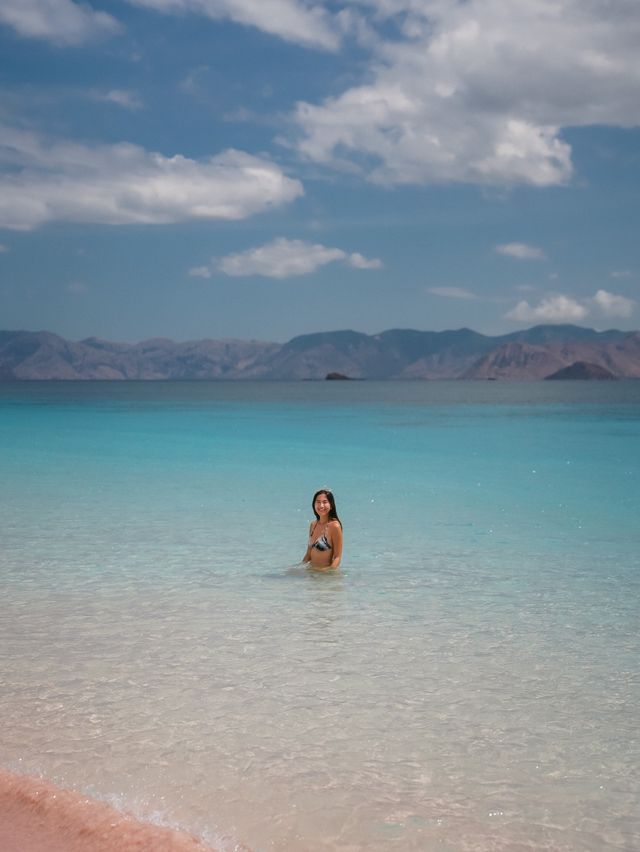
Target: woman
(324,550)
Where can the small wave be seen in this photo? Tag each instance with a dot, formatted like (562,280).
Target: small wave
(38,816)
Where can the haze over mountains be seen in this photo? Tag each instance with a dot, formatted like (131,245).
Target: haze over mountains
(535,353)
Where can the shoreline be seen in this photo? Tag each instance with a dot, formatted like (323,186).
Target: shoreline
(38,816)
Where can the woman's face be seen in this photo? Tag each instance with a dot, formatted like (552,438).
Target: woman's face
(322,504)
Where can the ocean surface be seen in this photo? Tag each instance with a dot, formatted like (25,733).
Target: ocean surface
(469,680)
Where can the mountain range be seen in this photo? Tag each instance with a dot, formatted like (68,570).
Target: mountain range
(532,354)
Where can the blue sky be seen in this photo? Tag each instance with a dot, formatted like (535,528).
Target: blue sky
(267,168)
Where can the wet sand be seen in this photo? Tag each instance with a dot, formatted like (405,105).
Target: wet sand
(37,816)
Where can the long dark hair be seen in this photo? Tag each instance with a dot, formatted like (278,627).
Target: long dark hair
(333,515)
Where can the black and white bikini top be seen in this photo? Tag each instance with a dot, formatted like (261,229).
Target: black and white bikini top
(321,543)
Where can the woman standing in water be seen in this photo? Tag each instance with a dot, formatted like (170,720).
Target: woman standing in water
(324,550)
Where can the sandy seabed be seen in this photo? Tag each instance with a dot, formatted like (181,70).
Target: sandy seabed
(37,816)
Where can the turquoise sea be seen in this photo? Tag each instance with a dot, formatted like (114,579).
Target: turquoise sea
(470,679)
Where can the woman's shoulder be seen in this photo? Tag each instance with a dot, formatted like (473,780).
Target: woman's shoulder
(333,524)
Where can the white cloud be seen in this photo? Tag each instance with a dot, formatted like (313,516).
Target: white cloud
(522,251)
(358,261)
(621,273)
(559,308)
(452,292)
(121,97)
(200,272)
(61,22)
(612,305)
(283,258)
(478,91)
(291,20)
(43,181)
(552,309)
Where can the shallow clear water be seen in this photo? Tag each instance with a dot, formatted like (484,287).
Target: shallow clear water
(468,681)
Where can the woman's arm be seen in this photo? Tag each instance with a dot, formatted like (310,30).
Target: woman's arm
(307,554)
(336,542)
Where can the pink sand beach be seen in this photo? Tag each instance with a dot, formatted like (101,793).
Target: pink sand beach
(37,816)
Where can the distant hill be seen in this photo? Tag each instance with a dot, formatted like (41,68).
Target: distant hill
(42,355)
(582,370)
(532,354)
